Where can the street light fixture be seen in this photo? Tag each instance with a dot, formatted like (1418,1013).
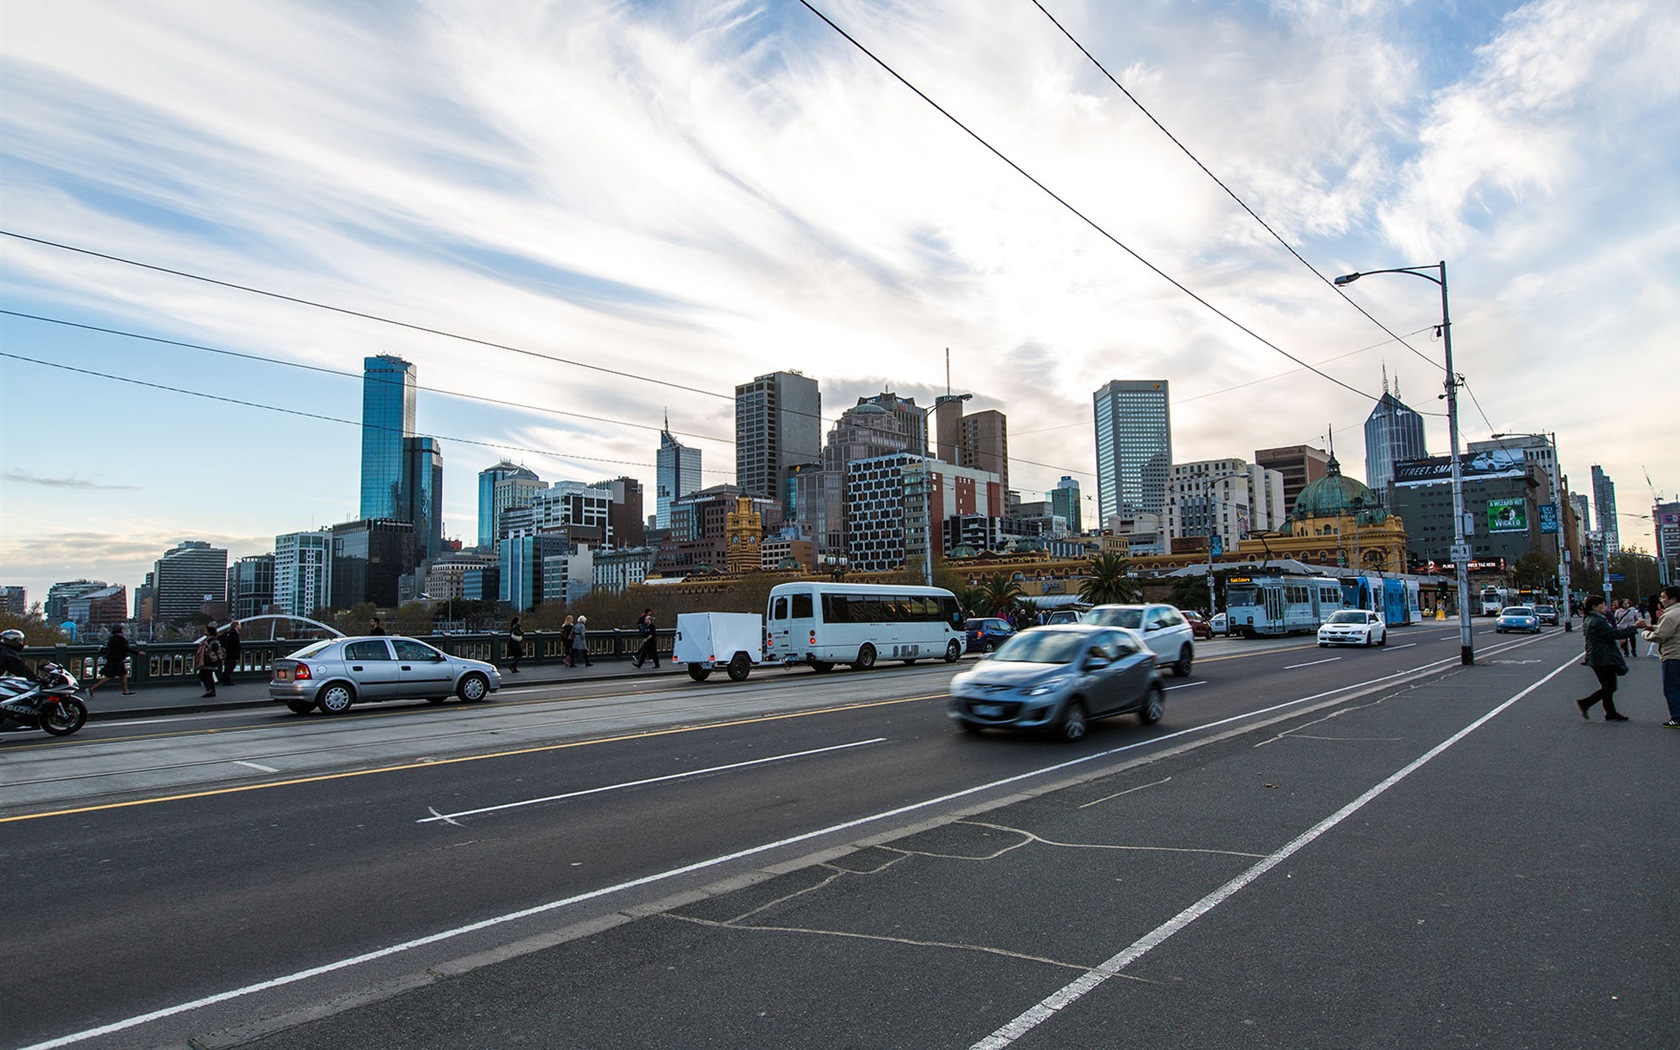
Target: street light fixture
(835,564)
(1461,528)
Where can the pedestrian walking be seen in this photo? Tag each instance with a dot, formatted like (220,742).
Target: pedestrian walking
(1604,658)
(207,659)
(113,661)
(649,650)
(516,645)
(1665,635)
(1626,616)
(375,627)
(230,651)
(567,631)
(580,642)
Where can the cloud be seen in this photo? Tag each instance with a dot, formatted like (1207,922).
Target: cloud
(24,477)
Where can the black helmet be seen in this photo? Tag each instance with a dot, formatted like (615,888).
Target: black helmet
(12,637)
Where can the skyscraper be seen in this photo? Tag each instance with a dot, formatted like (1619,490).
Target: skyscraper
(387,418)
(303,572)
(186,578)
(1300,465)
(677,469)
(778,425)
(1064,501)
(1134,446)
(501,488)
(985,444)
(422,492)
(1604,502)
(1393,434)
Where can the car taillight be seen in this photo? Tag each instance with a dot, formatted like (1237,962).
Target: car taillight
(301,673)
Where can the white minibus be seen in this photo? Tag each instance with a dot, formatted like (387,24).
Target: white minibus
(823,624)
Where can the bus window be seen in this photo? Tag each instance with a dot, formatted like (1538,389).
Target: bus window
(801,606)
(951,612)
(778,609)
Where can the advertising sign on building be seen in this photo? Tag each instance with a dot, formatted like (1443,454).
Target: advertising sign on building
(1548,517)
(1507,515)
(1472,466)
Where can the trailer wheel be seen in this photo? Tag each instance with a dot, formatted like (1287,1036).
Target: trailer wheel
(699,673)
(740,665)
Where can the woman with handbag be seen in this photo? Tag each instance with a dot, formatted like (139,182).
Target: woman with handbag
(1604,657)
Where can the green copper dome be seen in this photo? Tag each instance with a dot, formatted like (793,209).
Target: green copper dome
(1334,495)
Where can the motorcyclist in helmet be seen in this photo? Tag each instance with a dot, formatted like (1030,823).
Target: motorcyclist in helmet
(11,654)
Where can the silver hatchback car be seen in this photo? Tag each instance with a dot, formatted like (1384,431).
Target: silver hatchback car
(1058,677)
(338,672)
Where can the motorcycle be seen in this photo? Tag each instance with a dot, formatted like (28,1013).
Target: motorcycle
(49,703)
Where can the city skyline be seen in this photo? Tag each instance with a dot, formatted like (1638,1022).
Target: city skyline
(765,198)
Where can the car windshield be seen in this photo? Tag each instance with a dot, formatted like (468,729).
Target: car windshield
(1545,608)
(311,649)
(1043,647)
(1348,616)
(1132,618)
(1519,610)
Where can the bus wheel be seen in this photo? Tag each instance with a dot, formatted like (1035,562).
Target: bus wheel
(698,673)
(865,658)
(952,653)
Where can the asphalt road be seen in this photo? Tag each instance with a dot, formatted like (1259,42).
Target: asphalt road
(822,861)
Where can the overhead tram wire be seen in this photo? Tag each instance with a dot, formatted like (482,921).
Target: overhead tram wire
(377,378)
(1228,191)
(1053,195)
(552,454)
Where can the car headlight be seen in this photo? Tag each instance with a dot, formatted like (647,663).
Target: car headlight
(1050,686)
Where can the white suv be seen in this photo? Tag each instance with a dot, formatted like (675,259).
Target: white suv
(1163,628)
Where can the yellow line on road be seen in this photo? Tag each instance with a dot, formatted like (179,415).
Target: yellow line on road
(431,763)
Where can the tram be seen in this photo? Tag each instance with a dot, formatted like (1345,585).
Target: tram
(1394,597)
(1275,605)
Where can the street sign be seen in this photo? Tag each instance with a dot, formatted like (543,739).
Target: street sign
(1216,546)
(1548,518)
(1615,577)
(1460,553)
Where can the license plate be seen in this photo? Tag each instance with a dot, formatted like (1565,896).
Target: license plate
(282,675)
(988,710)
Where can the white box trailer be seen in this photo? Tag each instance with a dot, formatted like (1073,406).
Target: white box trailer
(710,640)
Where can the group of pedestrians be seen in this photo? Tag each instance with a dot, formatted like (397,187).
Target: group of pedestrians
(1611,636)
(217,655)
(574,642)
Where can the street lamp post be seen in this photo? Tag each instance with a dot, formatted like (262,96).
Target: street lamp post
(836,565)
(1461,549)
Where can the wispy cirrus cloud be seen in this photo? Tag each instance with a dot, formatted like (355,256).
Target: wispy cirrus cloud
(24,477)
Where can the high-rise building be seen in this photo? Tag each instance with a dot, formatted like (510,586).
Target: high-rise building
(1064,502)
(14,600)
(1134,446)
(57,606)
(778,424)
(1300,465)
(101,608)
(303,572)
(368,558)
(187,578)
(1393,434)
(522,576)
(898,503)
(422,495)
(250,588)
(1666,518)
(677,473)
(874,427)
(985,444)
(501,488)
(1227,498)
(627,527)
(388,384)
(1604,502)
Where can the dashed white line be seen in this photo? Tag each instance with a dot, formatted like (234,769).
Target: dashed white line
(256,765)
(1184,685)
(1315,663)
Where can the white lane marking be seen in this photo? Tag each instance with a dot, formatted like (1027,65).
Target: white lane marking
(1128,791)
(256,765)
(1315,663)
(1184,685)
(441,817)
(687,869)
(642,783)
(1408,645)
(1078,988)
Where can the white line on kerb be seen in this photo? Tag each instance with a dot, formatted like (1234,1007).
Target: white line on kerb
(447,817)
(1078,988)
(1315,663)
(255,765)
(688,869)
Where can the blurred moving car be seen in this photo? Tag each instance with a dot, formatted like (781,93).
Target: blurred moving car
(1164,630)
(338,672)
(1547,614)
(1199,626)
(1517,618)
(986,633)
(1058,677)
(1065,616)
(1353,627)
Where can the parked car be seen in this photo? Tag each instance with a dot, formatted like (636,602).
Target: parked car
(1353,627)
(986,633)
(1517,618)
(1058,677)
(338,672)
(1163,627)
(1065,616)
(1199,626)
(1547,614)
(1219,623)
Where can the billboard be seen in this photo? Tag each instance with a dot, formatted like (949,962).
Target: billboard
(1548,517)
(1478,466)
(1507,515)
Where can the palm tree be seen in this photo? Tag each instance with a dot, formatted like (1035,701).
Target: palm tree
(1000,593)
(1110,581)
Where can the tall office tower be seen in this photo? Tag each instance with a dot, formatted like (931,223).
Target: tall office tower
(250,589)
(1300,465)
(948,427)
(14,600)
(502,488)
(778,424)
(186,578)
(422,495)
(1666,518)
(1134,447)
(1604,501)
(387,418)
(1064,502)
(677,473)
(985,444)
(1393,434)
(56,608)
(369,558)
(875,426)
(303,572)
(1583,520)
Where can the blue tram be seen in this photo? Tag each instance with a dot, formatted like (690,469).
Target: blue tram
(1395,598)
(1273,605)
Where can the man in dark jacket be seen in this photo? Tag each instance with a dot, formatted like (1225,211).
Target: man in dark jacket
(1604,658)
(230,651)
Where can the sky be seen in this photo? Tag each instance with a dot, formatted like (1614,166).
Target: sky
(578,218)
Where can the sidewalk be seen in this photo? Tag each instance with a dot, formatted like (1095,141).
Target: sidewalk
(250,688)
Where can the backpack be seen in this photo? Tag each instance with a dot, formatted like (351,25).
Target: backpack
(212,653)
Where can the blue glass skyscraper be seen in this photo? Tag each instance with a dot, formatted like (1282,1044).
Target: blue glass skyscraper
(1134,447)
(387,418)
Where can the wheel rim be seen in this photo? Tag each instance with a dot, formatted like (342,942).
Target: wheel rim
(1073,725)
(1156,708)
(473,688)
(952,652)
(335,699)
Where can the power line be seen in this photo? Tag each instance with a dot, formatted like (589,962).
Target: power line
(1079,214)
(1228,191)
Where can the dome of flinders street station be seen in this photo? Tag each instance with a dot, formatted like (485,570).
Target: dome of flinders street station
(1336,496)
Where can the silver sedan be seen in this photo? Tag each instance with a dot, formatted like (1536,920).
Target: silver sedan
(336,673)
